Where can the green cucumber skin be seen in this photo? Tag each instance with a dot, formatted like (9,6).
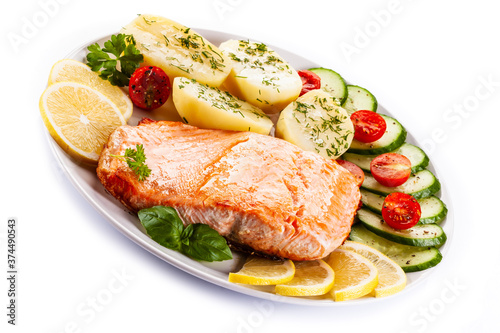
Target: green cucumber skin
(363,161)
(434,219)
(360,234)
(320,70)
(437,218)
(421,267)
(423,164)
(420,242)
(433,189)
(426,192)
(374,103)
(392,234)
(398,142)
(372,208)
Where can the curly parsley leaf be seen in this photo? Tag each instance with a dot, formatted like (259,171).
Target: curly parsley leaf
(136,159)
(119,50)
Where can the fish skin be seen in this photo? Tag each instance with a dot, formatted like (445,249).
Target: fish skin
(255,190)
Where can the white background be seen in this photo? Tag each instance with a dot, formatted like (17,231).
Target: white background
(424,60)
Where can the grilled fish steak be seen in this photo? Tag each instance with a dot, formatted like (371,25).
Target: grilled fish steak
(255,190)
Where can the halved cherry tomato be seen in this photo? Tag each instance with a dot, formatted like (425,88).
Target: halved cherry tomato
(401,210)
(354,170)
(369,126)
(390,169)
(310,81)
(149,87)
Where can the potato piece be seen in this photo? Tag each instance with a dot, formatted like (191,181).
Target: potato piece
(208,107)
(260,76)
(178,50)
(316,122)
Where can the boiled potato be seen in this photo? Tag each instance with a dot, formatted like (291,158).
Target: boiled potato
(316,122)
(260,76)
(178,50)
(208,107)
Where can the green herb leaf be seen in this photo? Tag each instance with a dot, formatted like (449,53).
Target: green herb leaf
(204,243)
(122,47)
(163,225)
(136,159)
(197,241)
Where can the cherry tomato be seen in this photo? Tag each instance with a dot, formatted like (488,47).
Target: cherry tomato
(310,81)
(390,169)
(354,170)
(369,126)
(401,211)
(149,87)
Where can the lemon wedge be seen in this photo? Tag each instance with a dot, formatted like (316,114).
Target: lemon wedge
(355,276)
(79,118)
(70,70)
(312,278)
(391,277)
(262,271)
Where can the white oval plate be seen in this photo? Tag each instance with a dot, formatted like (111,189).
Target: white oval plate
(87,183)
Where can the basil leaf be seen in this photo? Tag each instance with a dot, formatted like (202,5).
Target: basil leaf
(197,241)
(186,234)
(163,225)
(204,243)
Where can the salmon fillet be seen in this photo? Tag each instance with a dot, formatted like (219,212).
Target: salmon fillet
(257,191)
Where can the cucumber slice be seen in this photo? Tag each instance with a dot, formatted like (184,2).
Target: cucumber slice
(418,235)
(393,138)
(410,258)
(417,157)
(332,82)
(372,201)
(421,184)
(433,209)
(359,98)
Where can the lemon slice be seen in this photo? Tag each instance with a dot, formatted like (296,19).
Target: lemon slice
(312,278)
(355,276)
(262,271)
(79,118)
(75,71)
(391,277)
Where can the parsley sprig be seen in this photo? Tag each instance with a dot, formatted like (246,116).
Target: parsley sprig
(136,159)
(122,47)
